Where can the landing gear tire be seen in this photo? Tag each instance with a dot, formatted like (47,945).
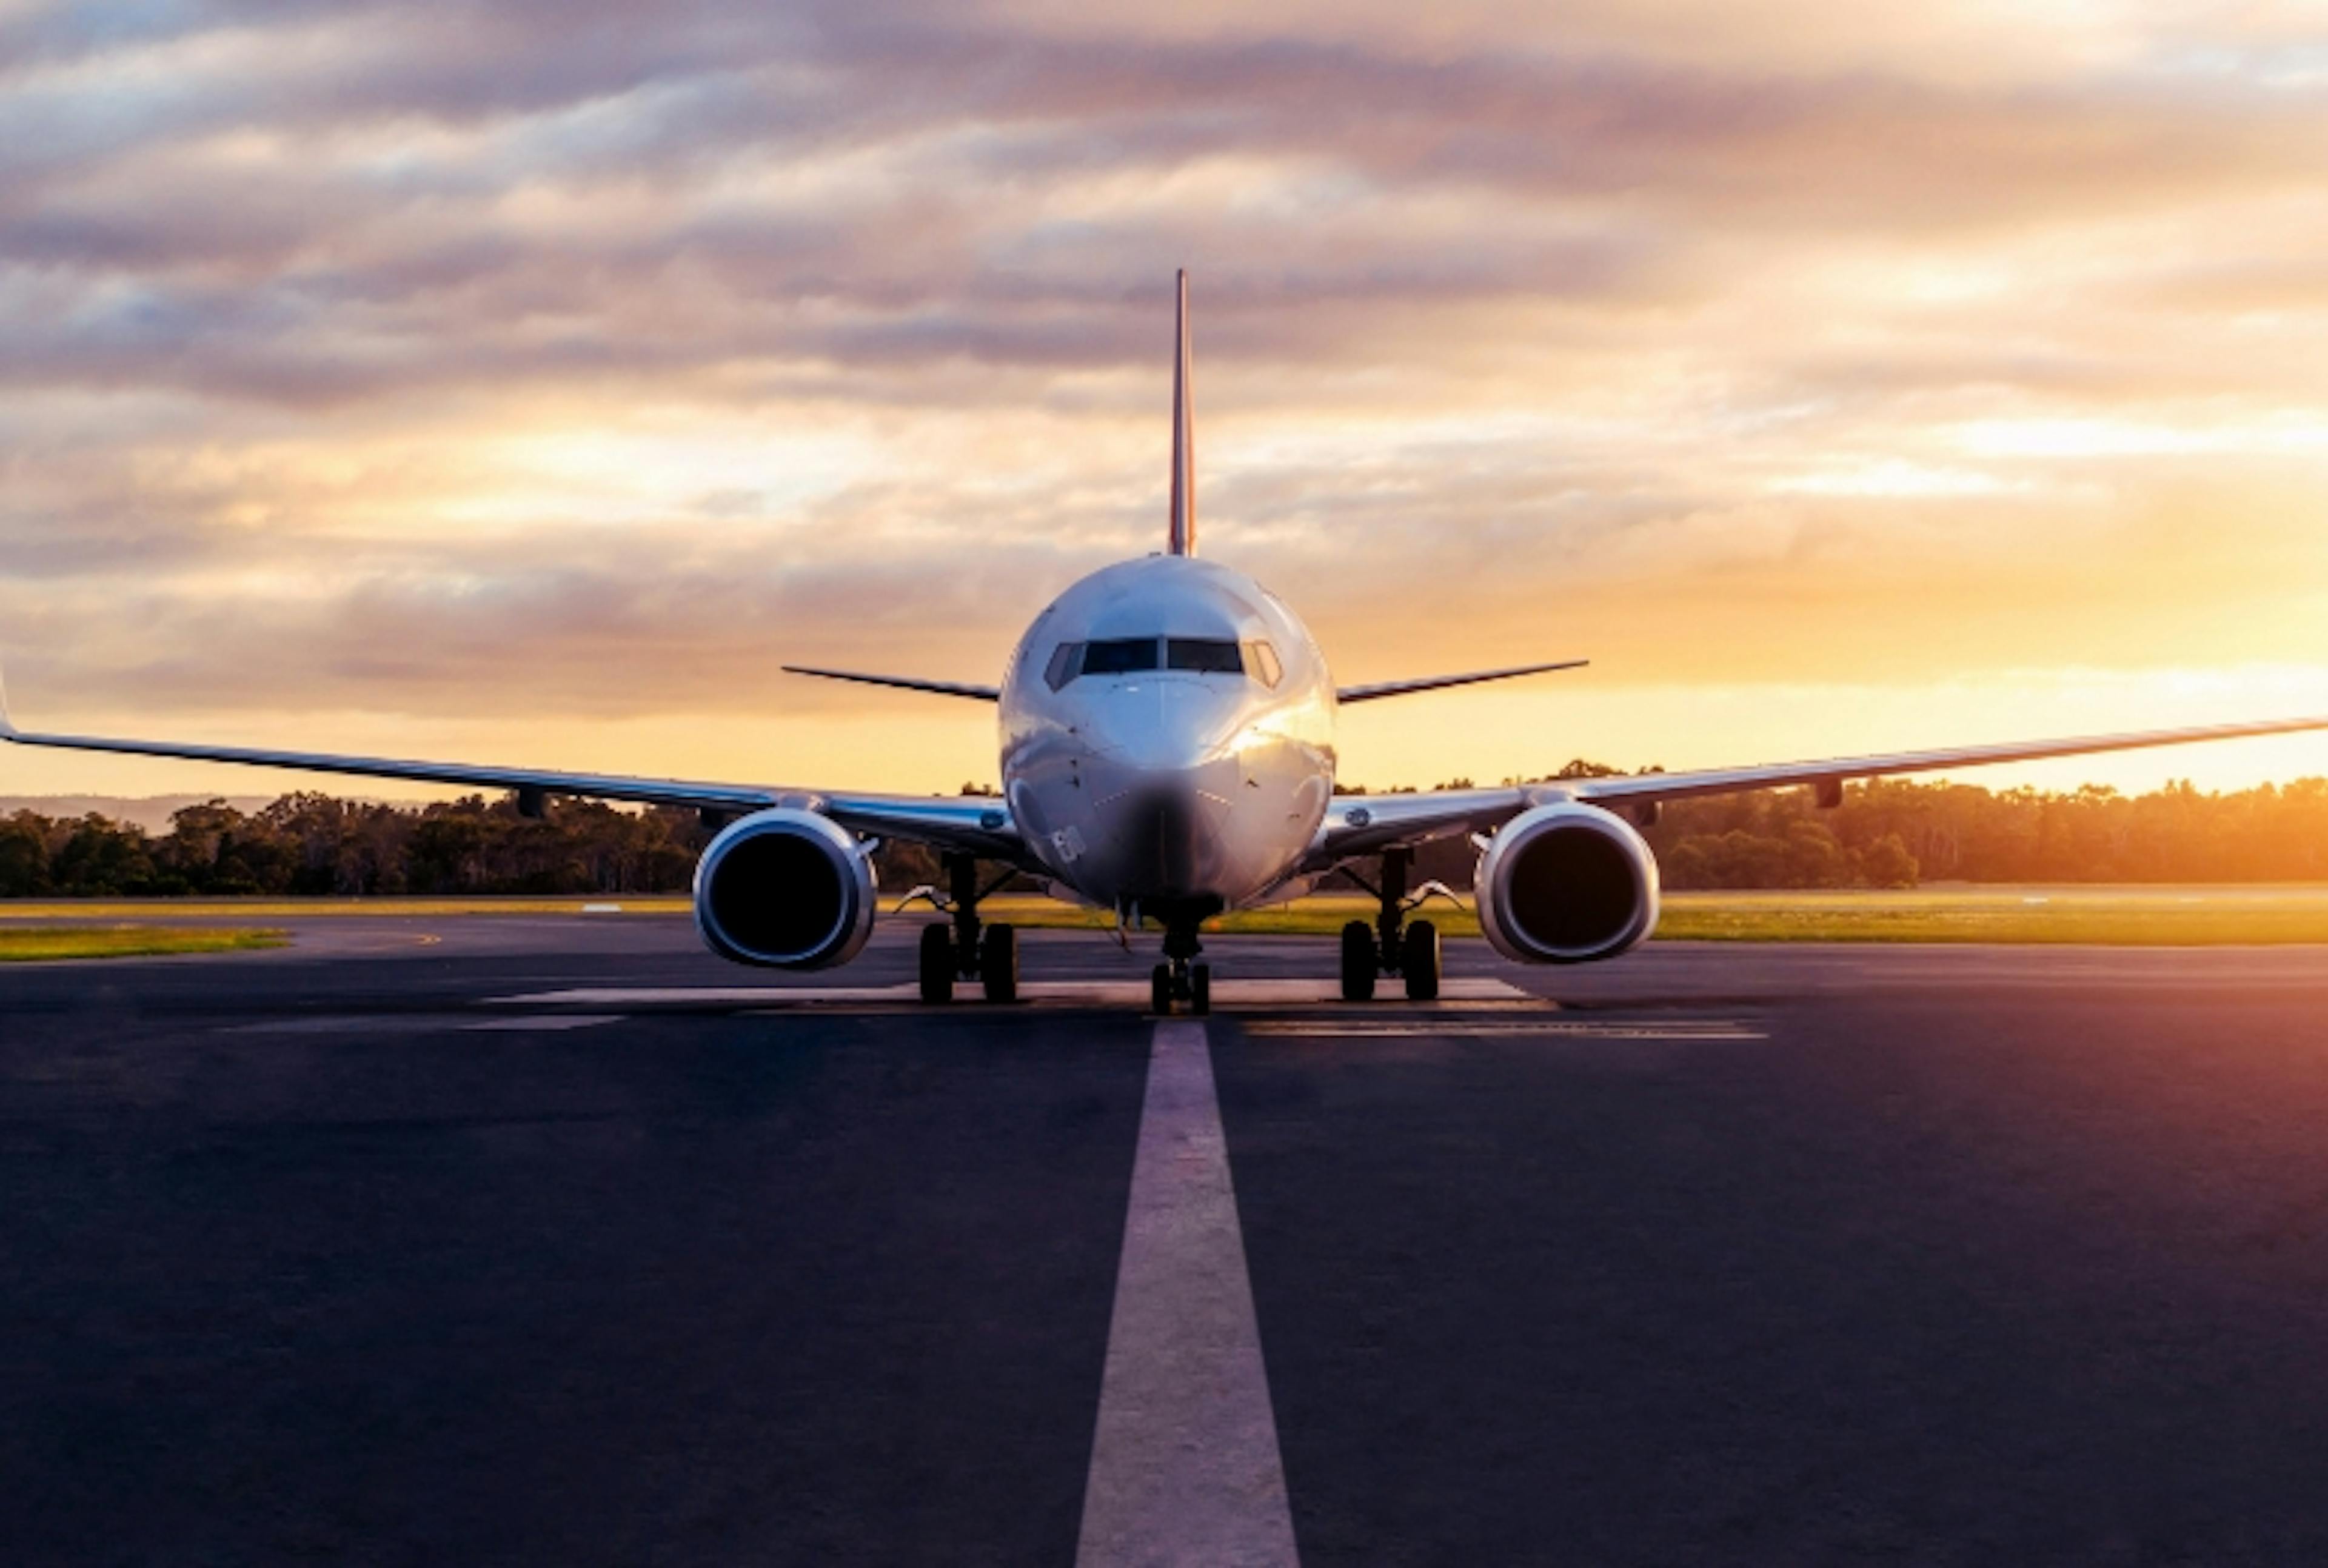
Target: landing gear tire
(1360,964)
(937,964)
(1418,960)
(1159,990)
(998,964)
(1200,989)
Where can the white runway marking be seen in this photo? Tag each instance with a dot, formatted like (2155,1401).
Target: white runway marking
(416,1023)
(1502,1028)
(1184,1465)
(352,1024)
(1227,991)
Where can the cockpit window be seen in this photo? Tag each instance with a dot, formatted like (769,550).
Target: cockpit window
(1120,656)
(1204,656)
(1137,655)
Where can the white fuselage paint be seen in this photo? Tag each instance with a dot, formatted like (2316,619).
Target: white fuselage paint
(1164,786)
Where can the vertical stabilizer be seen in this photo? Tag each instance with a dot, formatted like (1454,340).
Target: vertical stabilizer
(1184,433)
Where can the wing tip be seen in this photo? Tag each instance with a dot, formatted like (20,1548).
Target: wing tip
(7,727)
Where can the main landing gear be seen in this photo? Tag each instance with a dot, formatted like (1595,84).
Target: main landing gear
(1181,977)
(1394,944)
(965,949)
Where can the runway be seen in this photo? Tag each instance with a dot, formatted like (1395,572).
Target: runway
(553,1239)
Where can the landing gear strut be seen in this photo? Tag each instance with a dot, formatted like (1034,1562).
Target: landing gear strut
(968,949)
(1181,977)
(1394,945)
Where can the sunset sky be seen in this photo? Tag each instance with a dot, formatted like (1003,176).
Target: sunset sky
(524,382)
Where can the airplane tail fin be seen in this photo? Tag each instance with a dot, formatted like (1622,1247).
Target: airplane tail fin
(1184,434)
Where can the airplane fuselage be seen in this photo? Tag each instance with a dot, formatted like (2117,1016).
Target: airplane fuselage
(1168,736)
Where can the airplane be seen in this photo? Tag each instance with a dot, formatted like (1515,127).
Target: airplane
(1167,729)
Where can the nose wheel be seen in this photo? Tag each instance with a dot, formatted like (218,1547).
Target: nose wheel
(1169,984)
(1181,977)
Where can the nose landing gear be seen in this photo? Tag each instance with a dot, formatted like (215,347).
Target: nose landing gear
(1168,983)
(1181,977)
(1393,944)
(968,949)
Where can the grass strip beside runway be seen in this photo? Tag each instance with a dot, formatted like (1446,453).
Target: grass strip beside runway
(27,944)
(2113,917)
(431,908)
(2102,921)
(2153,916)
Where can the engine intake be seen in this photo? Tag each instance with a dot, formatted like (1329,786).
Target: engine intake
(787,888)
(1567,884)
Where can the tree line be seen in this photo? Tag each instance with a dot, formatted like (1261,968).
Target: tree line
(309,843)
(1898,832)
(1886,834)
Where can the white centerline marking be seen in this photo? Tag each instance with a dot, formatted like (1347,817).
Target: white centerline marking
(1227,990)
(1184,1465)
(1464,1029)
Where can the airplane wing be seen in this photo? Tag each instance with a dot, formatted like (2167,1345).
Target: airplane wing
(1674,786)
(1382,688)
(977,825)
(1358,825)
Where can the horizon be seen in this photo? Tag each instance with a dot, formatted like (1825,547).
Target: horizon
(1837,382)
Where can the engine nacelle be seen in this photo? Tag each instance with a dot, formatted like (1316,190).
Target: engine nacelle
(788,888)
(1567,884)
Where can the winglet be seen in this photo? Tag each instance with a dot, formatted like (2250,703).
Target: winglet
(1184,432)
(7,730)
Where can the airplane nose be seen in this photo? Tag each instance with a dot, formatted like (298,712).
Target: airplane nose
(1163,772)
(1163,726)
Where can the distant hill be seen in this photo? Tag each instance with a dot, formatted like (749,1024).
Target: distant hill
(151,812)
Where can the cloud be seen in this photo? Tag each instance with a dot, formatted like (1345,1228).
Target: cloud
(485,356)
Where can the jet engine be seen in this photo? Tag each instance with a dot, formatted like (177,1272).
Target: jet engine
(788,888)
(1566,884)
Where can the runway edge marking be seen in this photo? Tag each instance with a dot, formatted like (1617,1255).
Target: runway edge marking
(1184,1464)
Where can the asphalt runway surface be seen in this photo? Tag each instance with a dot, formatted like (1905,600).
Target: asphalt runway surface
(391,1249)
